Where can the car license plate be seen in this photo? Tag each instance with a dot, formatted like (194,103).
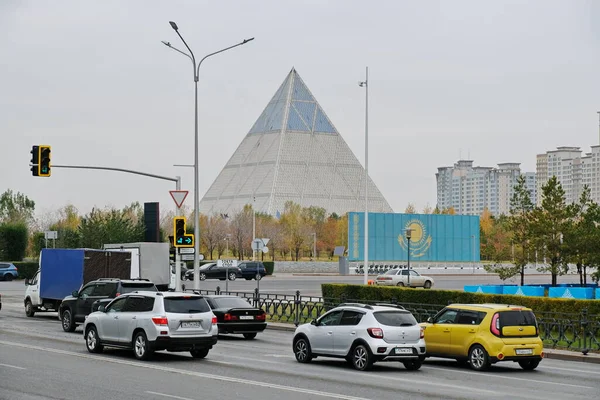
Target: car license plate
(246,316)
(404,350)
(524,351)
(192,324)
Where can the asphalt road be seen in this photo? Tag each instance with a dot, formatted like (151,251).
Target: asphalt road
(39,361)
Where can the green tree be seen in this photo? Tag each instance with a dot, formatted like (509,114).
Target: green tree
(519,225)
(16,208)
(295,227)
(101,227)
(13,241)
(549,223)
(67,228)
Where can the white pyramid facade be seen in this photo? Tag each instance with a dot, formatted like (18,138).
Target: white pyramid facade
(292,152)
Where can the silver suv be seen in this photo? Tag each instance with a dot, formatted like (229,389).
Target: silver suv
(150,321)
(362,334)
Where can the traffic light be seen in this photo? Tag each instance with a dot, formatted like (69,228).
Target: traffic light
(35,160)
(181,238)
(44,161)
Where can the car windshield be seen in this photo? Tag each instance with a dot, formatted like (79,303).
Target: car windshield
(391,272)
(231,302)
(395,318)
(517,318)
(186,305)
(132,287)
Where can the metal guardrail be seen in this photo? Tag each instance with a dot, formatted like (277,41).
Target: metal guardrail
(580,332)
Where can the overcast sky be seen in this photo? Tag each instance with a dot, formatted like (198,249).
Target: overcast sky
(496,81)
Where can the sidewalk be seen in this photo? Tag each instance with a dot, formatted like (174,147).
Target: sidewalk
(555,354)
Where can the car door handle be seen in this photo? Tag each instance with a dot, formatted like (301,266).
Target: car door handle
(134,317)
(472,331)
(116,317)
(353,333)
(330,333)
(447,330)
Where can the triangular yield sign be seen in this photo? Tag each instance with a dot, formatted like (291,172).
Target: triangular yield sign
(178,196)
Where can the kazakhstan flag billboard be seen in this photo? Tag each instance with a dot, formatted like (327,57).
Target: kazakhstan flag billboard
(434,237)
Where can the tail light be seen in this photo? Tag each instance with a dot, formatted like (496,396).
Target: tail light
(214,320)
(118,294)
(229,317)
(375,332)
(422,333)
(261,317)
(495,325)
(161,321)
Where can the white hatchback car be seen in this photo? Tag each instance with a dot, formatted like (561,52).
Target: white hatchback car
(400,277)
(362,334)
(150,321)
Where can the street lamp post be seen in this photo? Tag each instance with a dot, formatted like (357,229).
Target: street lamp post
(365,84)
(227,244)
(315,245)
(196,173)
(408,236)
(473,237)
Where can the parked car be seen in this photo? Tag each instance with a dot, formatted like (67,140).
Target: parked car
(149,321)
(236,315)
(252,270)
(213,271)
(362,334)
(484,334)
(8,272)
(399,277)
(75,308)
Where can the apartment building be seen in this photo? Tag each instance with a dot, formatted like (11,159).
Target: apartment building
(470,190)
(572,169)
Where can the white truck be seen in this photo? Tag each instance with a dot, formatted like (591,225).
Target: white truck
(149,260)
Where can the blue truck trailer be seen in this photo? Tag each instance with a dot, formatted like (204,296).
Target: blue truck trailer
(62,271)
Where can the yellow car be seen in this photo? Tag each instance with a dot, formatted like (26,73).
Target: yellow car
(483,334)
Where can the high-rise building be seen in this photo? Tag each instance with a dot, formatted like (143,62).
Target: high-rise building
(292,152)
(469,190)
(572,170)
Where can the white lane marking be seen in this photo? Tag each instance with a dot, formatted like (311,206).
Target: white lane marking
(11,366)
(185,372)
(497,376)
(587,371)
(168,395)
(279,355)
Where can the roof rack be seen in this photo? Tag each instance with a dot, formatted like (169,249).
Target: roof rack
(390,305)
(368,307)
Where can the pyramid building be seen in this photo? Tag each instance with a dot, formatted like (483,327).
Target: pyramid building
(292,152)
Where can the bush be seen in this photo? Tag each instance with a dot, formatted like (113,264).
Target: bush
(26,269)
(333,292)
(13,241)
(269,266)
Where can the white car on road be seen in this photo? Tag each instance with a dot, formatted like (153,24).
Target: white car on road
(399,277)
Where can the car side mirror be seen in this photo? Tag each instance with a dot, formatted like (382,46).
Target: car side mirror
(430,320)
(314,322)
(102,308)
(75,293)
(26,281)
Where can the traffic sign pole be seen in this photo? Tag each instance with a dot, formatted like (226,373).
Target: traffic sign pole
(177,256)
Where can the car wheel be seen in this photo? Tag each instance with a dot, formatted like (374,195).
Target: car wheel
(427,285)
(400,284)
(29,311)
(232,276)
(412,365)
(141,347)
(202,276)
(92,342)
(362,359)
(529,365)
(68,324)
(249,335)
(258,277)
(8,277)
(478,358)
(302,350)
(199,353)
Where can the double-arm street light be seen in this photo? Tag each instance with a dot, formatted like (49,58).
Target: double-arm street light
(365,84)
(196,189)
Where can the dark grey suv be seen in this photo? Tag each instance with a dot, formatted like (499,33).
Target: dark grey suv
(75,308)
(252,270)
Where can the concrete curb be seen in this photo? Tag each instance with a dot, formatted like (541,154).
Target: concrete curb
(564,355)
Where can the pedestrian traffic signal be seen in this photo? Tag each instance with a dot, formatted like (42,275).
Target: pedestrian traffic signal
(35,160)
(181,238)
(44,160)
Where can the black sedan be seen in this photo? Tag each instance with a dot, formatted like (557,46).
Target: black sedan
(213,271)
(236,315)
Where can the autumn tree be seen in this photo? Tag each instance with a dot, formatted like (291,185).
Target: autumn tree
(519,224)
(16,208)
(295,227)
(410,209)
(499,250)
(427,209)
(241,230)
(549,223)
(67,227)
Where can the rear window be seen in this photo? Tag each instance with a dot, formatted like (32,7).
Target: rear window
(391,272)
(395,318)
(132,287)
(186,305)
(231,302)
(517,318)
